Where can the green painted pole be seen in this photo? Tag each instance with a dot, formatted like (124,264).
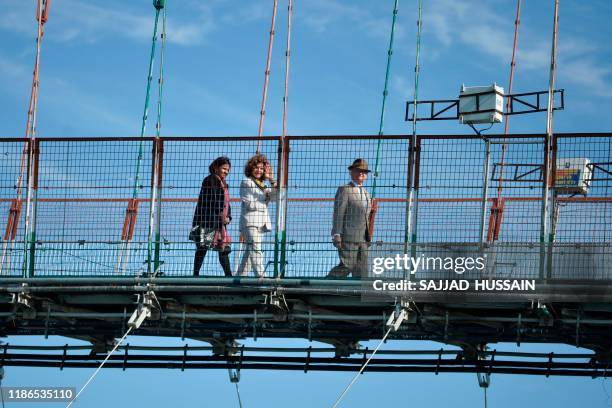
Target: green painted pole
(413,210)
(158,4)
(155,210)
(384,99)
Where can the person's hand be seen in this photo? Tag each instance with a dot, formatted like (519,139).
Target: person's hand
(269,174)
(226,220)
(337,241)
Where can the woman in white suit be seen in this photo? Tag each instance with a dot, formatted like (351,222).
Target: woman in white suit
(254,217)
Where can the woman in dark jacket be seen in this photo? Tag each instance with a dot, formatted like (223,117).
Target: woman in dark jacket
(212,214)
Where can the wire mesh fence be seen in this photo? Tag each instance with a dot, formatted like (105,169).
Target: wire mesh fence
(90,204)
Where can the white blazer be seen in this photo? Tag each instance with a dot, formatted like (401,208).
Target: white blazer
(254,208)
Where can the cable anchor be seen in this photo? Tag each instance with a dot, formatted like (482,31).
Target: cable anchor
(24,301)
(143,310)
(399,315)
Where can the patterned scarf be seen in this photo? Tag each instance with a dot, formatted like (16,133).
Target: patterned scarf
(259,183)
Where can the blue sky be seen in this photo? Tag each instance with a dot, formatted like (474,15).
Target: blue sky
(94,62)
(95,56)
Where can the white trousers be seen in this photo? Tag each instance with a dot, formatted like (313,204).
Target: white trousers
(252,258)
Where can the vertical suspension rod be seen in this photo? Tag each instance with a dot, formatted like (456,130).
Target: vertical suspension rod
(262,113)
(281,205)
(146,105)
(412,162)
(155,204)
(549,125)
(384,98)
(42,13)
(158,4)
(517,22)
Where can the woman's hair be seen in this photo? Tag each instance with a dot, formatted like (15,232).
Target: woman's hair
(253,162)
(218,162)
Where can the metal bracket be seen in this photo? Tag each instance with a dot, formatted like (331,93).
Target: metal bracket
(546,319)
(399,315)
(234,374)
(484,378)
(143,310)
(277,300)
(24,299)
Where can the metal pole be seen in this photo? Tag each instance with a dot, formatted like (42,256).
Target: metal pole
(34,179)
(280,238)
(408,214)
(412,187)
(384,100)
(155,205)
(485,189)
(30,233)
(262,113)
(544,230)
(415,215)
(122,260)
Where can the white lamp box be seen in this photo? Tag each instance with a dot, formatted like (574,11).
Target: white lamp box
(573,175)
(481,104)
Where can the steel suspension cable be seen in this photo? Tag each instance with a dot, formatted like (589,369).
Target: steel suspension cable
(30,216)
(42,14)
(159,5)
(281,206)
(549,126)
(100,367)
(287,62)
(155,204)
(417,66)
(517,21)
(384,99)
(417,71)
(238,395)
(348,387)
(262,112)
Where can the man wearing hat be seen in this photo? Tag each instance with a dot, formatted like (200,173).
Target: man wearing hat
(351,224)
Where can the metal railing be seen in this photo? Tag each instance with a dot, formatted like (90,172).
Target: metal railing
(88,223)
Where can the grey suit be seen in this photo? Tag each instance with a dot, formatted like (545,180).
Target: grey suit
(352,207)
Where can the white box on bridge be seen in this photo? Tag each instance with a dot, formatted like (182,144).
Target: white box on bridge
(573,175)
(481,104)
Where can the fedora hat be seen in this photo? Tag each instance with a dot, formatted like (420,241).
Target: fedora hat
(359,164)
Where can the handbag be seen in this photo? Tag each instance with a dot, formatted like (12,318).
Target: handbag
(203,237)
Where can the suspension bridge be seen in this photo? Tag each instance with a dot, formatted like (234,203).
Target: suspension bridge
(96,243)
